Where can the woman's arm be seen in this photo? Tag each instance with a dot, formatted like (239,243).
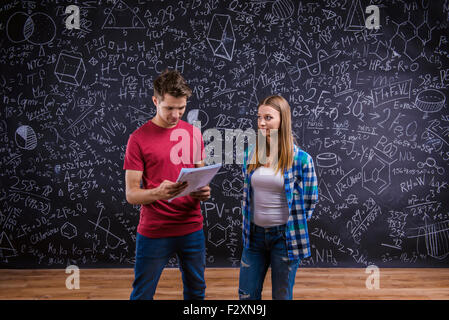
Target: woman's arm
(310,185)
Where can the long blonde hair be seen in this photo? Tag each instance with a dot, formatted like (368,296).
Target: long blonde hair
(285,137)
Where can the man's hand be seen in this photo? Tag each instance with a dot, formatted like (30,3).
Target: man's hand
(201,194)
(168,189)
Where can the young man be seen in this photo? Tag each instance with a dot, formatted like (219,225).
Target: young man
(155,156)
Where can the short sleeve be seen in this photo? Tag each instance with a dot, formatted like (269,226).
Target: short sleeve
(133,156)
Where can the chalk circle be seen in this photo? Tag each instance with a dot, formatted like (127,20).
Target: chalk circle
(38,28)
(283,9)
(14,27)
(45,27)
(26,138)
(198,115)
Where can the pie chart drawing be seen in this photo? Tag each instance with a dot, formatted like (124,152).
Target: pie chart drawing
(198,115)
(26,138)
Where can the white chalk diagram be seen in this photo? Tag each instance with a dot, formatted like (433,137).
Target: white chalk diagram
(217,235)
(329,14)
(26,138)
(6,248)
(301,46)
(236,185)
(221,36)
(409,39)
(136,115)
(68,230)
(313,68)
(37,28)
(436,239)
(376,173)
(324,191)
(282,9)
(355,20)
(431,163)
(70,69)
(326,160)
(198,115)
(435,137)
(121,16)
(381,50)
(430,101)
(106,228)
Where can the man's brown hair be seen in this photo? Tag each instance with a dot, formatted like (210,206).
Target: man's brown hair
(171,82)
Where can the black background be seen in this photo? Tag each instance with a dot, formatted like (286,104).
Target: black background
(369,105)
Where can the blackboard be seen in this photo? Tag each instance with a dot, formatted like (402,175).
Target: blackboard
(369,105)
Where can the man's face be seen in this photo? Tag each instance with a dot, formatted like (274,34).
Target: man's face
(170,110)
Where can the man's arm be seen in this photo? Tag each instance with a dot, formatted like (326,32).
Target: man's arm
(136,195)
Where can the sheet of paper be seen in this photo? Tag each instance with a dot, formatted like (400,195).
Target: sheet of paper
(196,178)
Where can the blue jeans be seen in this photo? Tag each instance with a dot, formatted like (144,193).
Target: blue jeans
(152,254)
(267,247)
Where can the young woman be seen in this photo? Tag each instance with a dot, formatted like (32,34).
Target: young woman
(280,192)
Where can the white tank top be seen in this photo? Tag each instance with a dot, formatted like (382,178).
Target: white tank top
(269,202)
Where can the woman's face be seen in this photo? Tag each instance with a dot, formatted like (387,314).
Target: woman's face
(268,118)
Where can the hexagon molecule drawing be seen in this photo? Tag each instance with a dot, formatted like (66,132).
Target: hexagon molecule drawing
(376,175)
(410,39)
(68,230)
(217,235)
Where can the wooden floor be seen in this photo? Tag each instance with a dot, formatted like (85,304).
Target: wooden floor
(222,284)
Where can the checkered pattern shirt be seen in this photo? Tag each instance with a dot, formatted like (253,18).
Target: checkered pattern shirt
(301,190)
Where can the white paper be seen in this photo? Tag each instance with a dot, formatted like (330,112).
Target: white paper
(196,178)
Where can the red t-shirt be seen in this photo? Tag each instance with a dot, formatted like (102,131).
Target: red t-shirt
(150,150)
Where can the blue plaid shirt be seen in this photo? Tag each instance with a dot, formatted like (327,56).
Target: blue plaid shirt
(301,190)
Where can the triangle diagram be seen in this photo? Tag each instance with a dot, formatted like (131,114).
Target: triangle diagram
(221,52)
(122,17)
(324,191)
(356,17)
(41,52)
(5,245)
(301,46)
(329,14)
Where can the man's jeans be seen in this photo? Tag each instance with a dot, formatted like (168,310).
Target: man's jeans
(153,254)
(267,246)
